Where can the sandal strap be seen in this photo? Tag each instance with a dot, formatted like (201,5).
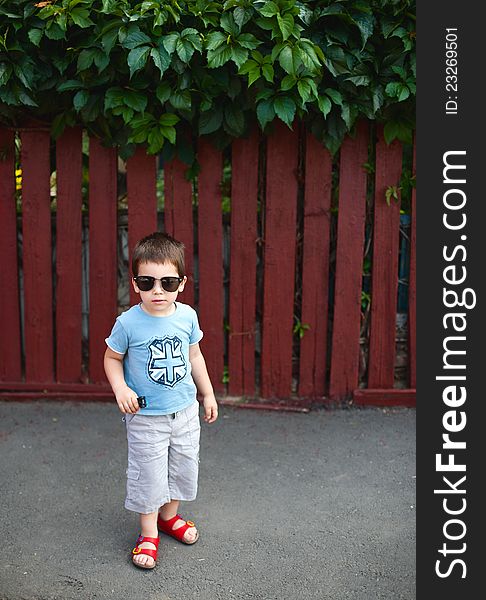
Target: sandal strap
(148,551)
(170,522)
(178,534)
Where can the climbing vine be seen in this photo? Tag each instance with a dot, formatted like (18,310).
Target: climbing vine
(157,73)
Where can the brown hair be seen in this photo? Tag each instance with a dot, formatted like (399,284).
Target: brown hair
(159,247)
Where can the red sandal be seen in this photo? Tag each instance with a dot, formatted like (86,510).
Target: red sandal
(148,551)
(178,534)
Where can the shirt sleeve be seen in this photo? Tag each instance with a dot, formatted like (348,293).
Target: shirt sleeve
(196,333)
(118,339)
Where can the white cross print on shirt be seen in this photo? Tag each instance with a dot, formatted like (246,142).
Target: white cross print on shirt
(167,365)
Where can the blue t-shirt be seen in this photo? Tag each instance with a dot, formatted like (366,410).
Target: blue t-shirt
(156,362)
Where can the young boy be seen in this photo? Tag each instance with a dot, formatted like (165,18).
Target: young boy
(153,352)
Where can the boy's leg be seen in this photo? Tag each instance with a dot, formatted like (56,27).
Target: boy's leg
(168,511)
(148,528)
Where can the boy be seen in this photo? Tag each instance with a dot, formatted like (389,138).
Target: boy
(153,352)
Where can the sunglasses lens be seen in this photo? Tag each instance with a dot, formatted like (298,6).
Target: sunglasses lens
(145,283)
(170,284)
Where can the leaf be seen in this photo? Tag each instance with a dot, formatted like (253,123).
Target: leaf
(269,9)
(169,41)
(358,80)
(238,55)
(210,121)
(346,115)
(109,39)
(397,130)
(101,60)
(80,17)
(392,88)
(218,57)
(25,73)
(325,105)
(35,36)
(163,92)
(234,120)
(404,93)
(228,24)
(155,140)
(288,82)
(248,66)
(285,109)
(181,100)
(161,59)
(334,95)
(26,99)
(214,40)
(70,84)
(5,73)
(286,25)
(253,76)
(136,100)
(114,97)
(286,60)
(169,119)
(184,49)
(80,99)
(265,112)
(241,16)
(85,59)
(134,39)
(366,23)
(247,40)
(137,58)
(304,90)
(268,72)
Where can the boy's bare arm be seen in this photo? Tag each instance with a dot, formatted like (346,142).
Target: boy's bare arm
(126,398)
(203,383)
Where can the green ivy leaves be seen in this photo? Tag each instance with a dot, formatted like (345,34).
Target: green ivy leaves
(141,72)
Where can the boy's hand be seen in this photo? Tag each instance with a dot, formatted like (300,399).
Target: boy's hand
(210,408)
(127,401)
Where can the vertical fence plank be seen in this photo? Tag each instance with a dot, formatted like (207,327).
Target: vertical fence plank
(102,253)
(386,231)
(68,255)
(349,265)
(242,300)
(142,202)
(10,340)
(412,311)
(37,250)
(210,227)
(279,262)
(178,218)
(315,272)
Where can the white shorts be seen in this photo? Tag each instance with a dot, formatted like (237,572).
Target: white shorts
(163,458)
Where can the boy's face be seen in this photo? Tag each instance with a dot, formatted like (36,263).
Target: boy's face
(157,301)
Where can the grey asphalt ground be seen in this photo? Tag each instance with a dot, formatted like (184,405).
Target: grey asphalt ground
(290,506)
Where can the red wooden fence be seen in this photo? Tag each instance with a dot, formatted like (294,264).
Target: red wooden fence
(41,343)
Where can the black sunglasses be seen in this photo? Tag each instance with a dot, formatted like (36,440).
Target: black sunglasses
(146,282)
